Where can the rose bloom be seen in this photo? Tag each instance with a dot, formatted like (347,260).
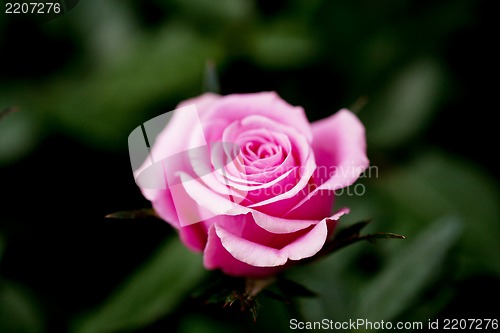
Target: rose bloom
(251,182)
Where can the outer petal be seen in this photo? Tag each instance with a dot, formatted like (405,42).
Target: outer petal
(268,104)
(168,144)
(194,236)
(278,225)
(182,123)
(202,102)
(217,257)
(339,145)
(263,256)
(163,205)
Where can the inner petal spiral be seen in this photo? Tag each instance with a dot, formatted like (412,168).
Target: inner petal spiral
(265,150)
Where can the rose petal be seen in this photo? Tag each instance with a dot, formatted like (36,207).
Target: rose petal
(168,148)
(278,225)
(268,104)
(263,256)
(163,205)
(202,102)
(194,236)
(168,141)
(339,142)
(227,217)
(334,219)
(218,204)
(216,256)
(306,170)
(204,197)
(315,205)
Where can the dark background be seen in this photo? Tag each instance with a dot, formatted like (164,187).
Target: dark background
(84,80)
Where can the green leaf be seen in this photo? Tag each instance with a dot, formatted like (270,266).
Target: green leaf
(335,295)
(351,235)
(133,214)
(474,196)
(380,235)
(151,292)
(19,134)
(19,311)
(408,272)
(284,45)
(405,105)
(436,185)
(162,67)
(195,323)
(217,13)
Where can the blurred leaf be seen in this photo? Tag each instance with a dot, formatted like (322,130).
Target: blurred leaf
(195,323)
(474,196)
(274,317)
(407,200)
(335,288)
(408,272)
(442,293)
(110,27)
(19,135)
(102,106)
(151,292)
(405,105)
(435,185)
(220,11)
(162,66)
(293,289)
(133,214)
(19,312)
(281,46)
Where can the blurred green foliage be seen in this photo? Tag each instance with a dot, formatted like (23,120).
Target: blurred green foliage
(19,311)
(107,66)
(152,292)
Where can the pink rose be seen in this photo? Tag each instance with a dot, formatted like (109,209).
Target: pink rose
(250,182)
